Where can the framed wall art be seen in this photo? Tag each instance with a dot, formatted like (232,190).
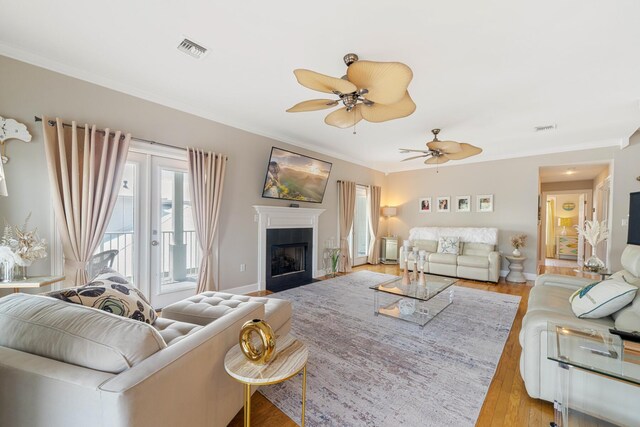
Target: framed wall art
(424,205)
(484,203)
(444,203)
(463,203)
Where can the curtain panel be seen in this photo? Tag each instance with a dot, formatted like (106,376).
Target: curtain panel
(206,175)
(347,205)
(373,212)
(85,173)
(550,249)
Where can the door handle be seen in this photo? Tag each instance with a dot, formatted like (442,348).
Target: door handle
(154,243)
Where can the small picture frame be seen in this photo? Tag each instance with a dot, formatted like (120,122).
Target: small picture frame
(424,205)
(444,204)
(484,203)
(463,203)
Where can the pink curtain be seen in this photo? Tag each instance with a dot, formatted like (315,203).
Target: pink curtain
(374,222)
(347,205)
(206,175)
(85,173)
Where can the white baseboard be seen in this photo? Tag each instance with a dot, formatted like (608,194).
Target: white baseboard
(241,290)
(528,276)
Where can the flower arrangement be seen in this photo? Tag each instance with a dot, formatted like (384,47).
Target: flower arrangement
(26,245)
(518,241)
(593,232)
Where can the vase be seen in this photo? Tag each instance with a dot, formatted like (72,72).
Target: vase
(593,264)
(6,272)
(20,272)
(516,252)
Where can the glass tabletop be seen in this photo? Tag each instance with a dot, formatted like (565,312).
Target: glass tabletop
(434,286)
(594,350)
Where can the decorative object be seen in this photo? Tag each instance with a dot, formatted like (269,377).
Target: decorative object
(406,306)
(7,261)
(293,176)
(463,203)
(461,348)
(266,350)
(26,245)
(564,222)
(405,274)
(291,361)
(423,256)
(518,241)
(448,245)
(601,299)
(568,206)
(439,152)
(373,91)
(424,205)
(484,203)
(416,251)
(331,258)
(593,232)
(110,291)
(444,204)
(515,269)
(9,129)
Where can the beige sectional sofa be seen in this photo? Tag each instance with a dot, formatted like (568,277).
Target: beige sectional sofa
(64,364)
(477,259)
(597,395)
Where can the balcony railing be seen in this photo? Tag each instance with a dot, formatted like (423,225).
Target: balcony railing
(124,262)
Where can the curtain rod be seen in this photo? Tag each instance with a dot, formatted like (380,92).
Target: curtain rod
(52,123)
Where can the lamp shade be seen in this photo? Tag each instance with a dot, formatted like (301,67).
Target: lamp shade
(564,222)
(389,211)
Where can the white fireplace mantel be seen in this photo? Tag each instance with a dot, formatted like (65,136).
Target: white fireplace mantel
(284,217)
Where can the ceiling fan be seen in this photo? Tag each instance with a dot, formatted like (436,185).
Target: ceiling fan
(439,152)
(373,91)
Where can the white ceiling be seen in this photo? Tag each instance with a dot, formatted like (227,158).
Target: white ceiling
(571,172)
(485,72)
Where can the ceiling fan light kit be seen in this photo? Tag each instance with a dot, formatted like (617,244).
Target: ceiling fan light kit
(373,91)
(439,152)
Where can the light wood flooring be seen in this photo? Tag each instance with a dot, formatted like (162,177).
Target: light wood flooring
(506,403)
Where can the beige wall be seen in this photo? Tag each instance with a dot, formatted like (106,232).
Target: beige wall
(515,185)
(26,90)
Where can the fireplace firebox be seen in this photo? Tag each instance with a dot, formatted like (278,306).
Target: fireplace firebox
(288,258)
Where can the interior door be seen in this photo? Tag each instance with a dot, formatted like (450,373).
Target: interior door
(175,253)
(582,209)
(360,230)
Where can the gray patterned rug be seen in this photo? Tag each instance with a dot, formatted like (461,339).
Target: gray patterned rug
(377,371)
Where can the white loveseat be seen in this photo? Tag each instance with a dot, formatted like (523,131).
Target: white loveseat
(593,394)
(477,259)
(64,364)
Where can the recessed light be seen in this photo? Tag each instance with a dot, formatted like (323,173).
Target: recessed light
(570,171)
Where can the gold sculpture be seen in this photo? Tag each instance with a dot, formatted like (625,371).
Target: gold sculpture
(258,354)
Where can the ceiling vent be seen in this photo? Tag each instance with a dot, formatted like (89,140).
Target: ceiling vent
(192,49)
(545,128)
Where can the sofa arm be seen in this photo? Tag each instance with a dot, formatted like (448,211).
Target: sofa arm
(494,266)
(568,282)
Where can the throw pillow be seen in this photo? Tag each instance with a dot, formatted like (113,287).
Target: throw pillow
(449,245)
(600,299)
(111,292)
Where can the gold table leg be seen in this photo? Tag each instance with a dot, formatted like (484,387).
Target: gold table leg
(247,405)
(304,392)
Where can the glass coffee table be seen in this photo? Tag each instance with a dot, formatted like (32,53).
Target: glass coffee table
(413,303)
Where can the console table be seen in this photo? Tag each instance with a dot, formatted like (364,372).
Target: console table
(31,282)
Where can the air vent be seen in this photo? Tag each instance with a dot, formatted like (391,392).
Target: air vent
(545,128)
(192,49)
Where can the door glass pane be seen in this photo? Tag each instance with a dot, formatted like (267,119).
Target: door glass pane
(180,253)
(120,230)
(360,223)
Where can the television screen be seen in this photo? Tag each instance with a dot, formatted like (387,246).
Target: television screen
(633,238)
(292,176)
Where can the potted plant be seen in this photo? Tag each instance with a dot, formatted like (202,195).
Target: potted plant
(593,232)
(518,241)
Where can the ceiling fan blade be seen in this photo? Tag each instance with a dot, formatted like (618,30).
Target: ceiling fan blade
(382,112)
(409,150)
(414,157)
(313,105)
(386,82)
(445,146)
(342,118)
(468,150)
(323,83)
(436,160)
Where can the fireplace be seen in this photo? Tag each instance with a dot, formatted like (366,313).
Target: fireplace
(289,257)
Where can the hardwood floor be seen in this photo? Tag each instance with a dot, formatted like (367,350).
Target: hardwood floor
(506,403)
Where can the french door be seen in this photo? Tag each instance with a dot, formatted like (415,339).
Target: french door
(152,229)
(360,235)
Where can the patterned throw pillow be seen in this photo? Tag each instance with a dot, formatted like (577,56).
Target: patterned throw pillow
(449,245)
(111,292)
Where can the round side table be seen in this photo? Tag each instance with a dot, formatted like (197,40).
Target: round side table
(291,358)
(515,269)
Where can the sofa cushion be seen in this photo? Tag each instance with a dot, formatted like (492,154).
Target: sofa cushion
(173,331)
(473,261)
(449,245)
(550,298)
(601,299)
(478,249)
(437,258)
(426,245)
(630,259)
(75,334)
(111,292)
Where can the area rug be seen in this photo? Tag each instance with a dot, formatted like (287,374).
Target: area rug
(367,370)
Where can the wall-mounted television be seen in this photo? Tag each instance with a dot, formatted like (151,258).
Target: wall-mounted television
(633,238)
(292,176)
